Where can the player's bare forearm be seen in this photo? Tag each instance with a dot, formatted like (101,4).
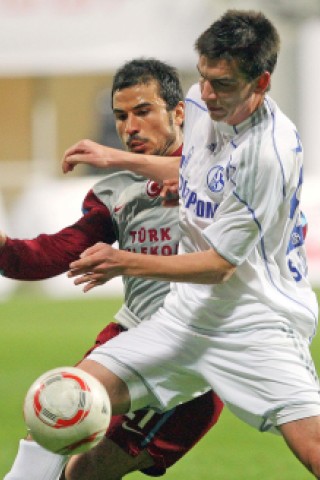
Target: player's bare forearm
(155,167)
(91,153)
(200,267)
(101,263)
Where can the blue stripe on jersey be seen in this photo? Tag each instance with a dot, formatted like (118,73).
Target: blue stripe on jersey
(158,425)
(190,100)
(265,258)
(295,200)
(298,148)
(276,149)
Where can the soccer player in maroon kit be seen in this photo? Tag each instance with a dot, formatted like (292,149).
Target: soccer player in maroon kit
(124,207)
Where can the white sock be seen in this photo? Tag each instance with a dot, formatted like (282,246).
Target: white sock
(35,463)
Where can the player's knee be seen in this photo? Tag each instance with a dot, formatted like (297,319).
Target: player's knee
(303,437)
(309,455)
(78,468)
(88,467)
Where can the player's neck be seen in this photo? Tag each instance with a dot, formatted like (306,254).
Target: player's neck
(174,149)
(248,109)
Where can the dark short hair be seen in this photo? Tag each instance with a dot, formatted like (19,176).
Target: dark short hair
(146,70)
(245,36)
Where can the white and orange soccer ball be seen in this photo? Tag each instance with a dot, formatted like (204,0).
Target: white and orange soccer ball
(67,410)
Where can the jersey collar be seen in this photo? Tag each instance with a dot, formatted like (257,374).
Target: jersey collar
(177,153)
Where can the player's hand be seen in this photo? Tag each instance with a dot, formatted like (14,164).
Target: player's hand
(3,238)
(96,266)
(170,193)
(89,153)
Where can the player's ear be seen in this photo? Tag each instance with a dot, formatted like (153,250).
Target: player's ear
(179,114)
(263,82)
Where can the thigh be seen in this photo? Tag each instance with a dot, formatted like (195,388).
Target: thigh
(110,331)
(160,365)
(107,460)
(150,441)
(266,377)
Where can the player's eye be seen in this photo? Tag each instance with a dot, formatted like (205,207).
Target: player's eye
(143,112)
(219,85)
(121,116)
(224,84)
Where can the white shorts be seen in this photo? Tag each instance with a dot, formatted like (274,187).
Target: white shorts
(266,377)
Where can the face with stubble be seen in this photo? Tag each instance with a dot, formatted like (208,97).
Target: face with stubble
(143,122)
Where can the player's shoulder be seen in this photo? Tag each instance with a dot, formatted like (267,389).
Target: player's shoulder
(115,181)
(281,125)
(195,111)
(193,98)
(281,139)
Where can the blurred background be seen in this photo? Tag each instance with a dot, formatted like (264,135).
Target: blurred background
(57,58)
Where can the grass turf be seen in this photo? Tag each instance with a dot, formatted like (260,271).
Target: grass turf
(38,334)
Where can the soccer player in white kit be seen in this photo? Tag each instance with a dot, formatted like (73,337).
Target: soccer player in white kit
(241,313)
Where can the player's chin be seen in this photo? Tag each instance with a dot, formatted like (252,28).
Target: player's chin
(142,149)
(218,115)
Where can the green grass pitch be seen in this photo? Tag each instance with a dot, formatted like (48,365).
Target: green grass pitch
(38,334)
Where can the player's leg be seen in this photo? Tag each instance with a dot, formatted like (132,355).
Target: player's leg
(33,462)
(105,461)
(147,441)
(273,366)
(276,385)
(303,437)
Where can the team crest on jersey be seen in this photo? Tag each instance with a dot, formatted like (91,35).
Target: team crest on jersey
(153,189)
(215,178)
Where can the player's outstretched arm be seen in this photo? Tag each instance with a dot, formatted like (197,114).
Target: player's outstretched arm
(101,263)
(48,255)
(91,153)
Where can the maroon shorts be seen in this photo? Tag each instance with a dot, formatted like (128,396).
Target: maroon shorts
(167,436)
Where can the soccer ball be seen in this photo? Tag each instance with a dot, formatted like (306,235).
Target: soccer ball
(67,410)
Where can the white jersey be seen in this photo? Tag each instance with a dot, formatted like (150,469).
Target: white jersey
(240,189)
(142,225)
